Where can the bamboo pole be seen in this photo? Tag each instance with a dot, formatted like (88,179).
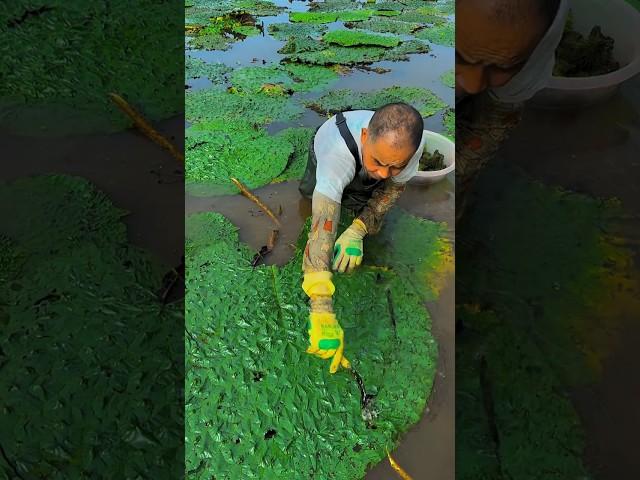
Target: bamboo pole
(145,127)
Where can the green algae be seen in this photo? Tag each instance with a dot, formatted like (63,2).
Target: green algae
(540,337)
(86,346)
(196,68)
(221,32)
(255,109)
(333,5)
(284,31)
(217,151)
(417,16)
(292,78)
(308,50)
(448,78)
(350,38)
(330,17)
(386,13)
(449,122)
(249,412)
(300,138)
(204,10)
(386,26)
(425,101)
(43,78)
(440,34)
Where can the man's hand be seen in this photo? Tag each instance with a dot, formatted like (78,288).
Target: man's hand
(348,250)
(326,339)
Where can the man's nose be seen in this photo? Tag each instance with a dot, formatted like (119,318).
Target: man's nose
(473,79)
(383,172)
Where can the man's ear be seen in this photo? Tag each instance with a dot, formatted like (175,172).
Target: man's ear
(363,136)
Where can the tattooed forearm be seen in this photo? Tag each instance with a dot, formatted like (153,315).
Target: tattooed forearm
(325,217)
(482,126)
(380,203)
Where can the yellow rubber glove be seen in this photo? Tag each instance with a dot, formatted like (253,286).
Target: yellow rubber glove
(348,250)
(326,339)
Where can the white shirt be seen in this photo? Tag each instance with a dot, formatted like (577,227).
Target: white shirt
(337,167)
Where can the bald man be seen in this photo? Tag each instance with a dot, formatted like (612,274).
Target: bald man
(359,161)
(504,55)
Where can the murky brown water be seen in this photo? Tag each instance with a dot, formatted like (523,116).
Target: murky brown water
(595,151)
(134,172)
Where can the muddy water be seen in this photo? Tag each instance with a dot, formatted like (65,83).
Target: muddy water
(427,450)
(595,151)
(136,174)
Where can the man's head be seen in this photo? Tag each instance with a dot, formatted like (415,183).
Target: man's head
(392,137)
(494,39)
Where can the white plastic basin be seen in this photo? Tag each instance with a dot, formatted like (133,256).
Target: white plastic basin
(435,141)
(618,20)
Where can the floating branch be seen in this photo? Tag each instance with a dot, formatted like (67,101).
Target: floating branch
(145,127)
(245,191)
(399,470)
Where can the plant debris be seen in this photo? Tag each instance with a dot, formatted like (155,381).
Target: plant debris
(430,162)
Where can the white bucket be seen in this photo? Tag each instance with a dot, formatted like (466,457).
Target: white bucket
(434,141)
(618,20)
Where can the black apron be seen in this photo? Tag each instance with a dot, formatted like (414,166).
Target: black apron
(359,191)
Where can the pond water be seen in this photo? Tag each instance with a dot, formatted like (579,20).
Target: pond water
(427,451)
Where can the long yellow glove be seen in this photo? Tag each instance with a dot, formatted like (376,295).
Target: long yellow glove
(326,337)
(348,250)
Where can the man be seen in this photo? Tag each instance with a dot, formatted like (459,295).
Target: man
(359,161)
(504,55)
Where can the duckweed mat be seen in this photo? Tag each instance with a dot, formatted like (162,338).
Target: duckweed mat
(92,362)
(46,79)
(449,121)
(216,151)
(448,78)
(350,38)
(257,406)
(253,109)
(283,31)
(425,101)
(545,334)
(290,77)
(439,34)
(196,68)
(309,50)
(386,26)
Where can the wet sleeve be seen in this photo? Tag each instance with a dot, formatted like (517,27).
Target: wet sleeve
(316,260)
(379,204)
(482,125)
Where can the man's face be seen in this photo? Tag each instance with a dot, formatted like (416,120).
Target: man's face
(381,159)
(490,51)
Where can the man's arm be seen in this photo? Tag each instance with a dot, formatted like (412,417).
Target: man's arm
(379,204)
(482,125)
(316,261)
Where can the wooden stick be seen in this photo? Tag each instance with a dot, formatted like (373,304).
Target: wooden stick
(145,127)
(256,200)
(401,473)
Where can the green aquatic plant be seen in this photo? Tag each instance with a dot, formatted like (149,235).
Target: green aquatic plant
(204,10)
(221,32)
(528,343)
(291,78)
(284,31)
(333,5)
(308,50)
(52,79)
(448,78)
(254,109)
(449,122)
(350,38)
(330,17)
(386,26)
(196,68)
(276,415)
(386,13)
(440,34)
(424,100)
(418,16)
(86,345)
(216,151)
(300,138)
